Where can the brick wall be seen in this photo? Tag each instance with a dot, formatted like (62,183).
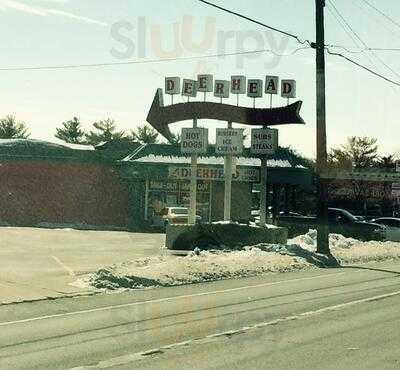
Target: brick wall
(32,192)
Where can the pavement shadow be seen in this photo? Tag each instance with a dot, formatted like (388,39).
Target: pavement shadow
(371,269)
(294,250)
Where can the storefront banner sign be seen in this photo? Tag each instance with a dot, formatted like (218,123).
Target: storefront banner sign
(264,141)
(214,174)
(194,140)
(229,141)
(176,186)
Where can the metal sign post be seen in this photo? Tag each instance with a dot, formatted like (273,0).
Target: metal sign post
(194,141)
(264,142)
(193,184)
(189,89)
(228,183)
(229,142)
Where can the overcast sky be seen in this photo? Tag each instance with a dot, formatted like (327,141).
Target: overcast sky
(60,32)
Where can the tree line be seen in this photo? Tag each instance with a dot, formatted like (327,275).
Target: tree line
(360,153)
(72,132)
(356,153)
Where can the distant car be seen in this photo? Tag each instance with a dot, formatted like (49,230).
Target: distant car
(341,222)
(290,213)
(177,215)
(393,227)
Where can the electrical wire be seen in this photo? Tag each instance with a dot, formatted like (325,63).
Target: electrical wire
(360,50)
(297,38)
(178,59)
(306,41)
(363,67)
(390,19)
(345,29)
(380,60)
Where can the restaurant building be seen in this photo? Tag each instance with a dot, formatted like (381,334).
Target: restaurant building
(158,176)
(124,186)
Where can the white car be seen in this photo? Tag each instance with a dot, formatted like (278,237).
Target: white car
(392,224)
(174,215)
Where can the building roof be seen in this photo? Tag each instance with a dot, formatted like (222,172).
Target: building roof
(166,153)
(29,149)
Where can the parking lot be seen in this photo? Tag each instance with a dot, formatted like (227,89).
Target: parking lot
(39,263)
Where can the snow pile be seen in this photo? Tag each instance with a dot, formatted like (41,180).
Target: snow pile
(349,250)
(298,253)
(207,266)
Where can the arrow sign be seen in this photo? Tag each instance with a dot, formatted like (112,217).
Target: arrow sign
(160,117)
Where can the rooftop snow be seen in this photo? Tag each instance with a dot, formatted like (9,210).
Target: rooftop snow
(241,161)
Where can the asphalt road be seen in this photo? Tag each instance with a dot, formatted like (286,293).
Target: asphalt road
(38,263)
(323,319)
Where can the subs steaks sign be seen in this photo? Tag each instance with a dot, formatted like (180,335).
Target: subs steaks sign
(161,116)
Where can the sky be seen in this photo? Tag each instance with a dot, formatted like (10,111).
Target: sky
(64,32)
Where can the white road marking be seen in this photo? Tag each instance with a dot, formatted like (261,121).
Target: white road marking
(126,359)
(168,299)
(64,266)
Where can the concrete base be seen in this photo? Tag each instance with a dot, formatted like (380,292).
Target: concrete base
(221,236)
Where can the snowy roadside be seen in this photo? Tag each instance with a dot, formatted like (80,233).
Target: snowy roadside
(298,253)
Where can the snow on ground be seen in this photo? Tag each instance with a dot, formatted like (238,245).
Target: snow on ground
(298,253)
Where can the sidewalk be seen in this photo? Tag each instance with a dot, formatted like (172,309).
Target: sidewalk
(40,263)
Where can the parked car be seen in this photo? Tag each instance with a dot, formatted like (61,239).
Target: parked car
(341,222)
(173,215)
(393,227)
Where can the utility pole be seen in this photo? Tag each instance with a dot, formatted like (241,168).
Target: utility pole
(322,208)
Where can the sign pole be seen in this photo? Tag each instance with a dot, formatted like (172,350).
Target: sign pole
(264,188)
(193,185)
(228,184)
(264,142)
(322,209)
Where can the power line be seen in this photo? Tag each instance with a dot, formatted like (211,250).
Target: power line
(360,50)
(363,67)
(178,59)
(339,21)
(302,42)
(297,38)
(390,19)
(363,42)
(381,21)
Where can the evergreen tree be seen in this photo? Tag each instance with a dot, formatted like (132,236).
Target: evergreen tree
(71,132)
(10,128)
(106,130)
(175,139)
(145,135)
